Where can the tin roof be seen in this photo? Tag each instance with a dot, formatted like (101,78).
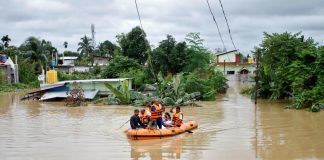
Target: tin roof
(88,94)
(227,52)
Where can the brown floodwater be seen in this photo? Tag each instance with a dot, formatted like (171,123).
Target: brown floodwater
(229,128)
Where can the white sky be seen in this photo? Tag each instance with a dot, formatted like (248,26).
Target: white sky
(69,20)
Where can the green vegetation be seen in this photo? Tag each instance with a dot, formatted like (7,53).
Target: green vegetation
(186,73)
(182,71)
(120,64)
(2,78)
(15,87)
(134,44)
(86,49)
(122,94)
(292,66)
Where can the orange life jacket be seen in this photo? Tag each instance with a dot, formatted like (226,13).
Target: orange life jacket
(143,117)
(176,120)
(156,114)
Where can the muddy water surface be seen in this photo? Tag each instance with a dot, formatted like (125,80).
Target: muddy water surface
(228,129)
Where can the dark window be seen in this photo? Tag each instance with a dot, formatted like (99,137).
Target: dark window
(230,72)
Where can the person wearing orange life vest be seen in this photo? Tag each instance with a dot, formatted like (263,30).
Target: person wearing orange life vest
(156,110)
(177,118)
(144,117)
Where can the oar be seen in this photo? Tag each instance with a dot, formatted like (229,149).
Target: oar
(124,124)
(188,131)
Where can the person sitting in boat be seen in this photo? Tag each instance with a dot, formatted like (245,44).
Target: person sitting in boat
(177,118)
(166,120)
(144,117)
(156,110)
(135,121)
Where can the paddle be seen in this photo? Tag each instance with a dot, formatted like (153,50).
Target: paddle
(124,124)
(188,131)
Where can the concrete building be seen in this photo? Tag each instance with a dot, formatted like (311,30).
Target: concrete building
(228,63)
(67,61)
(100,61)
(8,69)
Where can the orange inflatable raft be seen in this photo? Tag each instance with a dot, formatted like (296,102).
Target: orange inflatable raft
(146,134)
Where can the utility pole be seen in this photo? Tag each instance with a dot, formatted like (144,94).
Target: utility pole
(257,77)
(93,40)
(224,68)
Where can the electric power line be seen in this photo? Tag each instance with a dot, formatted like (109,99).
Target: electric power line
(229,30)
(220,35)
(139,17)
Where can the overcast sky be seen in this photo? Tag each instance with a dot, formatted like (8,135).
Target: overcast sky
(69,20)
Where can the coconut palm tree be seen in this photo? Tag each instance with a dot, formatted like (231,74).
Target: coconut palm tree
(36,50)
(5,39)
(65,44)
(86,48)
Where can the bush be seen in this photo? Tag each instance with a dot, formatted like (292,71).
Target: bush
(28,71)
(208,87)
(137,75)
(2,77)
(291,66)
(74,76)
(14,87)
(120,64)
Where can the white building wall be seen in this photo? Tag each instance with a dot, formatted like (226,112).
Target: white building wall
(230,57)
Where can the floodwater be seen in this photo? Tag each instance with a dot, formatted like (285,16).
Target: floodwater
(229,128)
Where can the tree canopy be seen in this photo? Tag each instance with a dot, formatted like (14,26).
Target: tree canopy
(107,49)
(291,65)
(118,65)
(134,44)
(170,57)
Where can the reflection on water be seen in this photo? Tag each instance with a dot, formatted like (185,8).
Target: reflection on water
(33,130)
(289,134)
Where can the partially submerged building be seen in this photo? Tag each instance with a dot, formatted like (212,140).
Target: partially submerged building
(91,88)
(8,69)
(233,68)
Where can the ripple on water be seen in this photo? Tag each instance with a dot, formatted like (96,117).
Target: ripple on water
(226,131)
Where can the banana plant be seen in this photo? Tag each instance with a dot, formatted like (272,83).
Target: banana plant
(123,94)
(172,92)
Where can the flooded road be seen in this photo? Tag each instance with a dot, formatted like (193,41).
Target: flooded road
(228,129)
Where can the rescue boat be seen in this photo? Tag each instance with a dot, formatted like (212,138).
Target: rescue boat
(148,134)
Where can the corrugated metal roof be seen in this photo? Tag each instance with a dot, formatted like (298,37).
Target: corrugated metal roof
(61,83)
(88,94)
(69,58)
(95,80)
(227,52)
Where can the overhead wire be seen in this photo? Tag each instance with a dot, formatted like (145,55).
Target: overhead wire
(219,33)
(229,30)
(138,14)
(139,18)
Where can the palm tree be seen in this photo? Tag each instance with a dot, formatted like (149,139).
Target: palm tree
(5,39)
(36,50)
(65,44)
(86,48)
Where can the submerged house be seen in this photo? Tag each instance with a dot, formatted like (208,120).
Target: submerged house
(8,70)
(91,87)
(228,62)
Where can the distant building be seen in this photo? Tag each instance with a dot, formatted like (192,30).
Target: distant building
(230,57)
(100,61)
(228,63)
(67,61)
(67,65)
(8,69)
